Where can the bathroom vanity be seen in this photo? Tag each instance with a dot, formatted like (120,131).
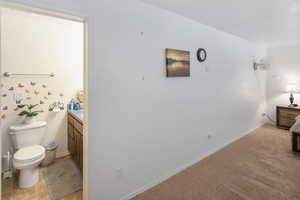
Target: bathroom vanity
(75,136)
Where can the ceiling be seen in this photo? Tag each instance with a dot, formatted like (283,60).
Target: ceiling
(259,21)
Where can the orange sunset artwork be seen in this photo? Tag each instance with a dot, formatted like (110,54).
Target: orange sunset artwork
(178,63)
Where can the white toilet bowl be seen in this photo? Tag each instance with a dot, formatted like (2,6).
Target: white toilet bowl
(27,160)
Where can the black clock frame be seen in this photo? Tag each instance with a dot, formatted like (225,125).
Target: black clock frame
(200,50)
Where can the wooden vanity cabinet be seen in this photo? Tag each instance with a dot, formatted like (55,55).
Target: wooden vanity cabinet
(75,139)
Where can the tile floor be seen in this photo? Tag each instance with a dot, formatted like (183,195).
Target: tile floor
(11,191)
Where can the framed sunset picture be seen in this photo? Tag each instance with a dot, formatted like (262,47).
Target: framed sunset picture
(177,63)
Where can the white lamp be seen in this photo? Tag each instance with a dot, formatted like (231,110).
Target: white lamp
(291,89)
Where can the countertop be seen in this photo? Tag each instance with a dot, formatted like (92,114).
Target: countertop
(77,113)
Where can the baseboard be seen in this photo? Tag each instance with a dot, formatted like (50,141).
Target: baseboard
(179,169)
(62,154)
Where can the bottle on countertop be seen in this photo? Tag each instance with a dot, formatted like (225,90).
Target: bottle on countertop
(71,104)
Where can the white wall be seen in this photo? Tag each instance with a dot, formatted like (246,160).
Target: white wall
(144,123)
(39,44)
(284,69)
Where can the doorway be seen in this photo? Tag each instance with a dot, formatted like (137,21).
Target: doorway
(47,70)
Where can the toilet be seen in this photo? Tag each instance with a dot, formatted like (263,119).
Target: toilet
(29,153)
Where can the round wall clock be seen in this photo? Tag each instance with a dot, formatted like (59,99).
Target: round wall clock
(201,55)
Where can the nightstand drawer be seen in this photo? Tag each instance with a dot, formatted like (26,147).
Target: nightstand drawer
(286,116)
(290,114)
(286,122)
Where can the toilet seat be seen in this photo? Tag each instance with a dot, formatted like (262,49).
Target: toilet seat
(27,160)
(28,154)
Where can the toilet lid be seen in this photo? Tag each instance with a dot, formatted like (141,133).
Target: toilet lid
(29,153)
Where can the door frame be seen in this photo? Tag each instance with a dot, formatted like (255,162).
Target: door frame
(67,16)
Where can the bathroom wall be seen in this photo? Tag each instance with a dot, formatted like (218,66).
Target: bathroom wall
(37,44)
(144,127)
(284,70)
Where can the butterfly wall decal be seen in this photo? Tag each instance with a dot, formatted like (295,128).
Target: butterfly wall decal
(19,101)
(27,91)
(49,93)
(4,95)
(20,85)
(33,83)
(3,116)
(4,108)
(41,102)
(36,92)
(44,86)
(11,89)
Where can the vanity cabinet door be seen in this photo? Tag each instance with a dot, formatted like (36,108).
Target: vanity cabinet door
(76,149)
(70,139)
(81,152)
(75,140)
(78,126)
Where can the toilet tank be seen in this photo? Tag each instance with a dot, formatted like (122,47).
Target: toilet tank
(24,135)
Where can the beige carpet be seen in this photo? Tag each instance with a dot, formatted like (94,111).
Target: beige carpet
(260,166)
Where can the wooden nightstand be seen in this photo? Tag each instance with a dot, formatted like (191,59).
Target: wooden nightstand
(286,116)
